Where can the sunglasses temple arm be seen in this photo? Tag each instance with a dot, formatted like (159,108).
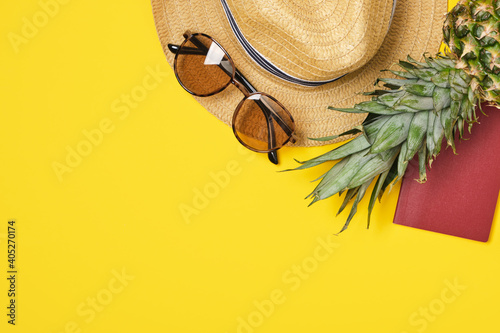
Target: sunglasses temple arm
(271,139)
(173,48)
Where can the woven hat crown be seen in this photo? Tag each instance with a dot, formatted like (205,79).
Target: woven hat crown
(313,40)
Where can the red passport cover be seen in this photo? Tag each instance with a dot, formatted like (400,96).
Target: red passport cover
(461,192)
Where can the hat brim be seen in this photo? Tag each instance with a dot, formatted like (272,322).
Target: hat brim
(416,29)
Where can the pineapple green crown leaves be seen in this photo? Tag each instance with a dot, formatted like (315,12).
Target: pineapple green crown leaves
(425,104)
(430,101)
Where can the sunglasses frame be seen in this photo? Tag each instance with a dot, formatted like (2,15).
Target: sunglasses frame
(271,130)
(237,79)
(187,38)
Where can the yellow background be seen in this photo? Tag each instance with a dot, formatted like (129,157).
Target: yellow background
(103,246)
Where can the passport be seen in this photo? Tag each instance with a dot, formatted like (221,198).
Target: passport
(462,190)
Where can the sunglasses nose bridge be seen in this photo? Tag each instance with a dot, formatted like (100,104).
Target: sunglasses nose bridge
(241,87)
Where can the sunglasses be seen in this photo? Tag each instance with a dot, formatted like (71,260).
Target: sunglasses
(203,68)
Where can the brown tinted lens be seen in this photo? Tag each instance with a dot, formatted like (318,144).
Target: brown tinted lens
(202,66)
(261,123)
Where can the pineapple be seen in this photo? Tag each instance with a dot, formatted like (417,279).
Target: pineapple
(427,102)
(471,31)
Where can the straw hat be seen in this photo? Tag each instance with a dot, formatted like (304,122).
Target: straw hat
(290,48)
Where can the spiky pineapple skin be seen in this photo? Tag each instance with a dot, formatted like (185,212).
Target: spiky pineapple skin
(471,31)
